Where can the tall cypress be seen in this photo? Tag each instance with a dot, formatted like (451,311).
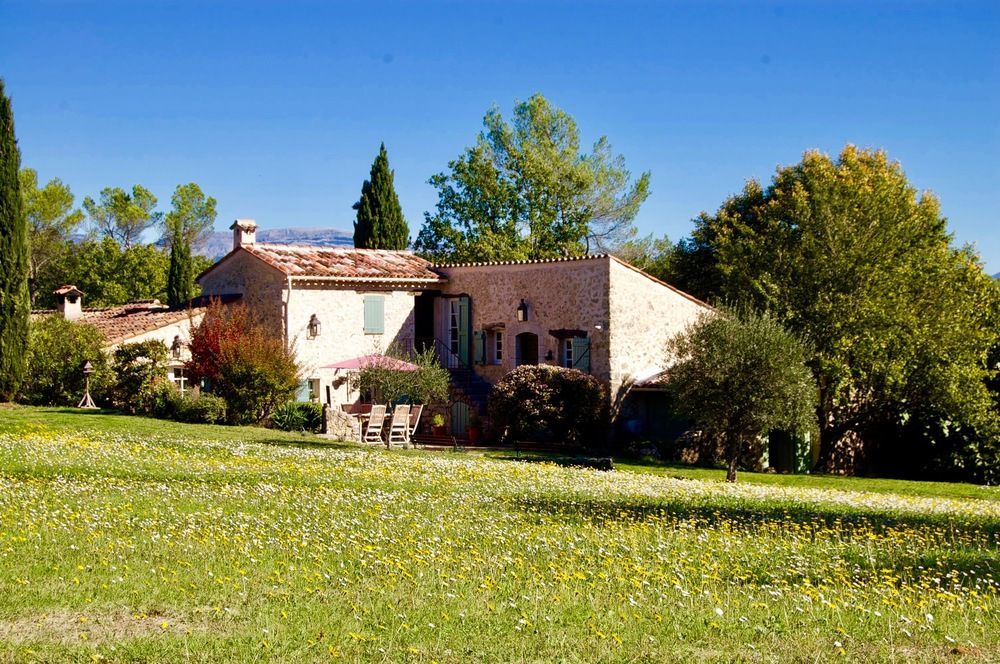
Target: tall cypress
(15,303)
(380,223)
(180,279)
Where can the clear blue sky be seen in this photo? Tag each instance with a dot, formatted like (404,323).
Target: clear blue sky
(278,109)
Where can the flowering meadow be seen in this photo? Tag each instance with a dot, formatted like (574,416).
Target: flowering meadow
(167,543)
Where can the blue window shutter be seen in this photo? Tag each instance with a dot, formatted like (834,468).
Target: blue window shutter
(303,392)
(581,354)
(374,314)
(478,346)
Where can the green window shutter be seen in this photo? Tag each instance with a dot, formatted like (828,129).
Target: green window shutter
(581,354)
(463,330)
(374,314)
(478,346)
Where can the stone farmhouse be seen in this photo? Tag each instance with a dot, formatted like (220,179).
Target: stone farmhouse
(136,322)
(594,313)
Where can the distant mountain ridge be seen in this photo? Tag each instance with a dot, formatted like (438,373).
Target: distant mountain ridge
(220,243)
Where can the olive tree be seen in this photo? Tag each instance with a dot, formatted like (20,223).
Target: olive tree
(739,374)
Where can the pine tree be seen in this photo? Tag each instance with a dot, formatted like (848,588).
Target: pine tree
(180,278)
(380,223)
(15,303)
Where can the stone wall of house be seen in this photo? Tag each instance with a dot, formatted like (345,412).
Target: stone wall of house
(166,334)
(262,287)
(340,312)
(645,314)
(560,294)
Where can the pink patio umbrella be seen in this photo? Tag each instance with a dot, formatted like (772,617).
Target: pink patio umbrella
(374,360)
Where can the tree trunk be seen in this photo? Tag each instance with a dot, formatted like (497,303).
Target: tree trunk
(731,472)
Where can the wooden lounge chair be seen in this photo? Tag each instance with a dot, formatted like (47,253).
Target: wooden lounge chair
(399,429)
(414,421)
(373,433)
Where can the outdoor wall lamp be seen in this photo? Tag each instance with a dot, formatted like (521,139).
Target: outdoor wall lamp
(175,347)
(522,311)
(314,327)
(548,356)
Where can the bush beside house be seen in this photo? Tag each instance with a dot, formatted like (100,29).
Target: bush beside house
(57,351)
(552,405)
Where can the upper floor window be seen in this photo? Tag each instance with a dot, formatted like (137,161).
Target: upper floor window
(374,314)
(498,347)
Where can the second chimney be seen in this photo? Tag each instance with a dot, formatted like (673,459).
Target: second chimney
(69,301)
(244,233)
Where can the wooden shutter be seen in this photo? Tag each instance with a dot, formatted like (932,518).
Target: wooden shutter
(478,346)
(581,354)
(374,314)
(463,330)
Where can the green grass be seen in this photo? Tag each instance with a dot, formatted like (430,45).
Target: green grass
(129,539)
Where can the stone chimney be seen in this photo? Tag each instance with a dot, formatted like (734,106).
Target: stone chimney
(244,232)
(69,301)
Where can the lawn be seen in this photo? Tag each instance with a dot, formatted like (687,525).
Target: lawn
(127,539)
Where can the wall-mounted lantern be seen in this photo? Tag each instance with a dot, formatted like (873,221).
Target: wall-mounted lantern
(175,347)
(548,356)
(522,311)
(314,327)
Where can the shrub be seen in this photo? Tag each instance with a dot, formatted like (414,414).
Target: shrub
(164,400)
(288,417)
(138,368)
(203,409)
(312,414)
(552,405)
(57,351)
(252,369)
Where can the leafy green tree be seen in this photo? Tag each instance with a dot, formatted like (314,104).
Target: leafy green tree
(737,375)
(122,216)
(138,368)
(15,303)
(380,223)
(652,255)
(848,255)
(52,220)
(56,354)
(525,190)
(108,274)
(192,214)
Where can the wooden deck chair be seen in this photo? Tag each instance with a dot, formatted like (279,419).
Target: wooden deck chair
(373,433)
(399,429)
(414,421)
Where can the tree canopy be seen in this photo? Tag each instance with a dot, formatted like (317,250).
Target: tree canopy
(847,254)
(122,216)
(15,305)
(192,214)
(738,375)
(380,223)
(52,220)
(525,190)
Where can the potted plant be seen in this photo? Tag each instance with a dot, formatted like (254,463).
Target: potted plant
(437,425)
(475,428)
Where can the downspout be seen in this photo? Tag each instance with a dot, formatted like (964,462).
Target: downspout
(288,301)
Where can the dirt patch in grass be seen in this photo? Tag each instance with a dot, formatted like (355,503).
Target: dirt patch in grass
(68,628)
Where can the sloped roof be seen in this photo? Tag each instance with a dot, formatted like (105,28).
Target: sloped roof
(342,263)
(119,324)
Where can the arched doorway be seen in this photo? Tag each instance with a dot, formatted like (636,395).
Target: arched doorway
(526,347)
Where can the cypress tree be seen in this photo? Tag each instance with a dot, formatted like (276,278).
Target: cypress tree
(179,277)
(15,303)
(380,223)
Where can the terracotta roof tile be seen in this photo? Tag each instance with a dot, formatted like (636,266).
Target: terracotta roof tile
(344,263)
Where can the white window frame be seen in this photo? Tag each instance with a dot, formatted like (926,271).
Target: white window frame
(179,379)
(498,347)
(567,352)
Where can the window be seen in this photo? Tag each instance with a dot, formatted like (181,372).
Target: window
(314,389)
(498,347)
(453,327)
(178,378)
(374,314)
(567,355)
